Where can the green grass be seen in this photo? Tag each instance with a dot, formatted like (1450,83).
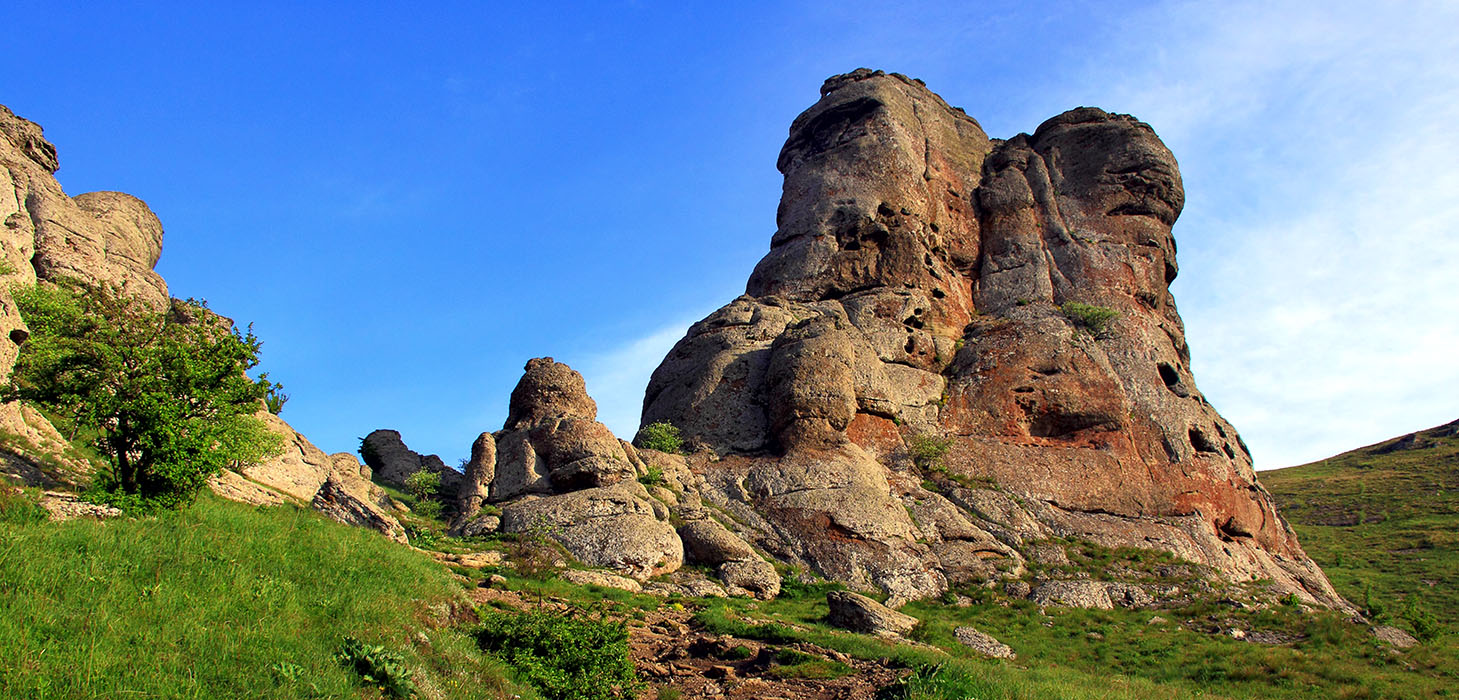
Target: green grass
(1385,527)
(222,600)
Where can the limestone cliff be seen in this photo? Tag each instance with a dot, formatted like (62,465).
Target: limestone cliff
(924,284)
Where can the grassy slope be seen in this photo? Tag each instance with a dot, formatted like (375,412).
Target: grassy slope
(1383,522)
(220,600)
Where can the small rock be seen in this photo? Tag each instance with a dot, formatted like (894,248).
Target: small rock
(1237,634)
(1395,636)
(720,672)
(474,560)
(983,643)
(1156,620)
(494,581)
(66,506)
(1095,636)
(859,613)
(598,578)
(1073,594)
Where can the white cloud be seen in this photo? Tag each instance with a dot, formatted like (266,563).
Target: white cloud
(617,377)
(1321,235)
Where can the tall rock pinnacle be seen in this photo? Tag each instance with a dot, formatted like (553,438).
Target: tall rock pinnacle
(1007,299)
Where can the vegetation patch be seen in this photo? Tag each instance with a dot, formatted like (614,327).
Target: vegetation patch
(227,600)
(566,657)
(1093,318)
(161,395)
(662,436)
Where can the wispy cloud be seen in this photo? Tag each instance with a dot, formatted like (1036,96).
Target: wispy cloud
(617,377)
(1321,236)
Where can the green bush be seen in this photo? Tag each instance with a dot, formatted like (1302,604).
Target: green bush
(927,451)
(565,657)
(937,682)
(423,484)
(653,476)
(378,667)
(275,399)
(163,392)
(661,436)
(1094,318)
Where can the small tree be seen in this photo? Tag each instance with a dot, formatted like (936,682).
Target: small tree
(162,395)
(274,397)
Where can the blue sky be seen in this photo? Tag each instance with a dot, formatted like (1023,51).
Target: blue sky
(410,203)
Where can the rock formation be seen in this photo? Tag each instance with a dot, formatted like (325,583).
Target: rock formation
(559,473)
(992,316)
(392,462)
(114,238)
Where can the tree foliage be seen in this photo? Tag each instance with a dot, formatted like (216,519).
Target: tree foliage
(163,395)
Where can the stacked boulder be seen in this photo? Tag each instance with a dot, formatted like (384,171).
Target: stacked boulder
(557,472)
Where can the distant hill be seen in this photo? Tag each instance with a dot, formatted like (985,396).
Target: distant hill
(1383,522)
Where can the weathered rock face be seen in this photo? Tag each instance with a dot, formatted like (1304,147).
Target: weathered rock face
(918,285)
(560,473)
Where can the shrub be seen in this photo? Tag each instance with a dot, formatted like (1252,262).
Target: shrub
(161,395)
(275,399)
(653,476)
(927,451)
(378,666)
(423,484)
(565,657)
(661,436)
(1093,318)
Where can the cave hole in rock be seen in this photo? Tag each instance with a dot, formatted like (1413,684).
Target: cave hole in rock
(911,346)
(885,210)
(938,294)
(1202,442)
(1230,453)
(19,335)
(1168,374)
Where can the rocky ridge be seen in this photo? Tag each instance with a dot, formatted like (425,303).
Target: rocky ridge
(957,346)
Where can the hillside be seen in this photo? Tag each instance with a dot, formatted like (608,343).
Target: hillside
(1383,522)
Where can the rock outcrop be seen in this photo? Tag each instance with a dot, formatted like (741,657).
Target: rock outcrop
(559,473)
(114,238)
(988,317)
(392,462)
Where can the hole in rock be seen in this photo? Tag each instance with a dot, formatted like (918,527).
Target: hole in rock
(911,346)
(1230,453)
(1202,442)
(938,294)
(1168,375)
(19,335)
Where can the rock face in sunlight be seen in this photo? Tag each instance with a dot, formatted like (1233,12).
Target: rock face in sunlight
(959,345)
(114,238)
(559,473)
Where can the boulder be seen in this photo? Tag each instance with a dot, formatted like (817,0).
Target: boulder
(1073,594)
(392,462)
(604,580)
(476,483)
(859,613)
(561,474)
(982,643)
(337,502)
